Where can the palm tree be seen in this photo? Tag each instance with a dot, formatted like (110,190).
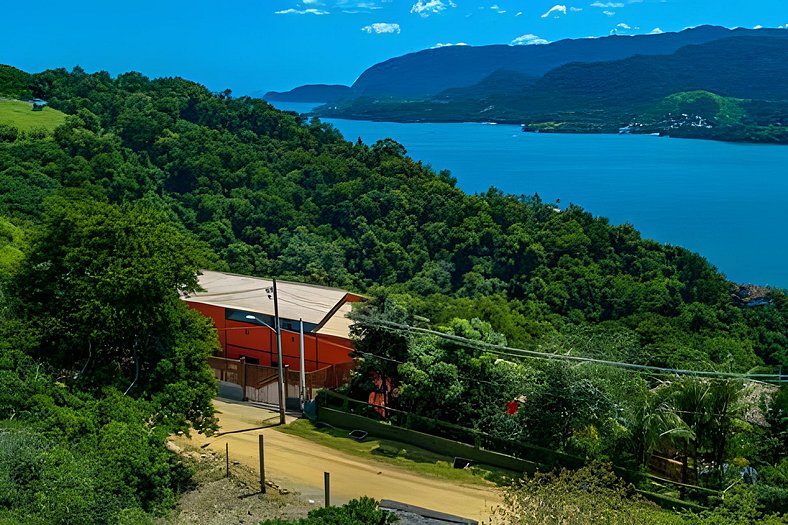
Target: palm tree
(708,408)
(690,397)
(658,426)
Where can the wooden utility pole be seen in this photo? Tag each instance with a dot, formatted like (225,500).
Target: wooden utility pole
(227,458)
(262,465)
(327,485)
(282,398)
(302,375)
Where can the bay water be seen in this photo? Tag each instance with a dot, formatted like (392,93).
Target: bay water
(726,201)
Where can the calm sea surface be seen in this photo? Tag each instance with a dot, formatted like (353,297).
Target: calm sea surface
(728,202)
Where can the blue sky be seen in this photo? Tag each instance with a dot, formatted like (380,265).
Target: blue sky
(252,46)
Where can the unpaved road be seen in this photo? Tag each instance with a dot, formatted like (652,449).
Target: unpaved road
(298,464)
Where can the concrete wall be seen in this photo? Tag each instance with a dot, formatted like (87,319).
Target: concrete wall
(435,444)
(447,447)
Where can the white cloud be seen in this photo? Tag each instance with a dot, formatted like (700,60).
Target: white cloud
(528,40)
(656,31)
(575,9)
(608,13)
(555,9)
(381,27)
(608,4)
(623,29)
(354,7)
(497,9)
(759,26)
(430,7)
(448,44)
(310,11)
(519,13)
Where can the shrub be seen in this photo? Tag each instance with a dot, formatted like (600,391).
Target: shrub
(362,511)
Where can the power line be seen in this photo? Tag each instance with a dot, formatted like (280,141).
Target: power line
(502,385)
(475,380)
(523,353)
(307,299)
(301,305)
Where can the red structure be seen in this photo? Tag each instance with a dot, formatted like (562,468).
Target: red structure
(242,312)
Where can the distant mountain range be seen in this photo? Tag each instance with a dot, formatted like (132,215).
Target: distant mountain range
(429,72)
(311,93)
(705,82)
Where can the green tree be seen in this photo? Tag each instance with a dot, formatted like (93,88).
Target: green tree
(101,285)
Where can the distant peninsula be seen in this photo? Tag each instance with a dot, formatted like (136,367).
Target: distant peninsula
(311,93)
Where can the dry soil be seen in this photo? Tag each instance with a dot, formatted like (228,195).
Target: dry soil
(298,465)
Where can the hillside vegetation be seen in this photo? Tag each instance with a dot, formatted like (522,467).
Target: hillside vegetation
(148,180)
(274,195)
(15,83)
(722,110)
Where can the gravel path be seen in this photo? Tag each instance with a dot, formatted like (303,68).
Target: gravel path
(298,465)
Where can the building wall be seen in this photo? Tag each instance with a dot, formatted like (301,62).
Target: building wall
(258,343)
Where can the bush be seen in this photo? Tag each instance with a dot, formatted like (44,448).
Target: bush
(362,511)
(740,507)
(8,133)
(590,495)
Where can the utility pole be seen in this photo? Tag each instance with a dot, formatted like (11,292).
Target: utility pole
(282,398)
(327,488)
(261,457)
(303,369)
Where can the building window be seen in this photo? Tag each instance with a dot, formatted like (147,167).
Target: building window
(263,319)
(249,317)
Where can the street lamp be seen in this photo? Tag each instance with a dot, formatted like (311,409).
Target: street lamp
(278,330)
(281,370)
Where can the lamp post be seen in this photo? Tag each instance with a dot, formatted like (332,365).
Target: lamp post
(279,354)
(278,331)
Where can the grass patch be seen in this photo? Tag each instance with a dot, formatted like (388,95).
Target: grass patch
(399,454)
(21,116)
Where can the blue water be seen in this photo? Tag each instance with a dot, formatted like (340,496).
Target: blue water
(728,202)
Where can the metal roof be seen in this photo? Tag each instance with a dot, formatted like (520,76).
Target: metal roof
(312,303)
(337,324)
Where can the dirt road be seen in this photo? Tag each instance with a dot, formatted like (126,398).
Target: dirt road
(298,464)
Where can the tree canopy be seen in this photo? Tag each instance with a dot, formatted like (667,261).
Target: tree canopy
(105,220)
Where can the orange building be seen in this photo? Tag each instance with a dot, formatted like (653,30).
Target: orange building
(242,309)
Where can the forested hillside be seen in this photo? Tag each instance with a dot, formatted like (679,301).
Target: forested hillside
(274,195)
(108,217)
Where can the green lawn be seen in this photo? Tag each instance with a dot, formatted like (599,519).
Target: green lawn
(400,454)
(21,115)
